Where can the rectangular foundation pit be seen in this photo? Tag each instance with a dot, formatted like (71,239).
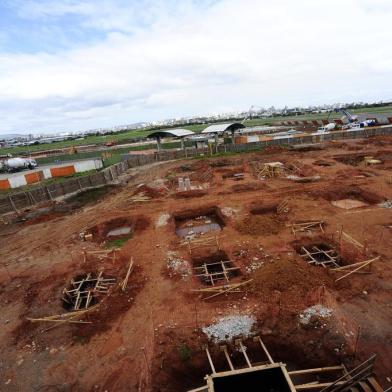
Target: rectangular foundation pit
(363,160)
(270,378)
(214,269)
(320,254)
(198,222)
(349,197)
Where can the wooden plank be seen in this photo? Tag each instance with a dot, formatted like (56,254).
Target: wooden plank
(210,361)
(224,349)
(264,349)
(365,387)
(356,269)
(288,378)
(304,387)
(345,267)
(374,384)
(352,240)
(125,282)
(201,389)
(316,370)
(228,290)
(208,264)
(308,255)
(242,348)
(217,273)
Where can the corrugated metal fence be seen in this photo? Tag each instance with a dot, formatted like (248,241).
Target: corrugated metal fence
(24,199)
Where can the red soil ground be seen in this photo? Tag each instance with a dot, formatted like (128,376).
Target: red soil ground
(137,338)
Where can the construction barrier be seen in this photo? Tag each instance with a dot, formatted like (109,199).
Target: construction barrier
(23,179)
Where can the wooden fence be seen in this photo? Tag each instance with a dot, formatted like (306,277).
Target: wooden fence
(20,200)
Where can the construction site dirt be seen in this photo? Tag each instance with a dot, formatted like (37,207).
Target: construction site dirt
(146,267)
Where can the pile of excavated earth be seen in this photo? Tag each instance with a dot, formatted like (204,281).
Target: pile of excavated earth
(122,290)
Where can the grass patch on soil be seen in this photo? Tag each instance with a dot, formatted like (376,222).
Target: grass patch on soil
(117,243)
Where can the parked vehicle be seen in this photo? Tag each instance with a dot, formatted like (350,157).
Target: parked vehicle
(17,164)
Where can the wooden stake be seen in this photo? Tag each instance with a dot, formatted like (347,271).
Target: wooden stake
(125,281)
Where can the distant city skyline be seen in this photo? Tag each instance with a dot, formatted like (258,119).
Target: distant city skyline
(91,64)
(253,112)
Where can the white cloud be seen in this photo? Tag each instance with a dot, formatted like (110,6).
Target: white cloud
(230,54)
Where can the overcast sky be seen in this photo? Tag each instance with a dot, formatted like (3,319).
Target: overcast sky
(73,65)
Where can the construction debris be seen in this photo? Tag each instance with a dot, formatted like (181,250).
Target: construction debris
(140,197)
(195,243)
(270,170)
(65,317)
(303,179)
(88,237)
(177,266)
(359,266)
(369,161)
(283,206)
(306,226)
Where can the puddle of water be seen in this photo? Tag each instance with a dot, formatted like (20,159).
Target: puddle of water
(185,231)
(119,231)
(197,226)
(348,204)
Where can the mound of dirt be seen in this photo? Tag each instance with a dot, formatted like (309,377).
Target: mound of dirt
(293,277)
(221,162)
(151,191)
(190,194)
(252,186)
(266,224)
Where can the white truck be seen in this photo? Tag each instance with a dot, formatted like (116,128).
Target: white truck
(16,164)
(327,128)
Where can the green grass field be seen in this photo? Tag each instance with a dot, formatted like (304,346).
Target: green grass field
(116,153)
(127,136)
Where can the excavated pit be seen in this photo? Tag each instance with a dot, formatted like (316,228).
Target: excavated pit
(363,159)
(187,375)
(85,291)
(350,159)
(117,228)
(321,254)
(271,380)
(351,197)
(262,220)
(267,209)
(197,222)
(215,268)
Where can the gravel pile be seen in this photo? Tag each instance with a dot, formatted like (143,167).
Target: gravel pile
(226,328)
(316,311)
(163,220)
(178,266)
(253,266)
(228,211)
(386,204)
